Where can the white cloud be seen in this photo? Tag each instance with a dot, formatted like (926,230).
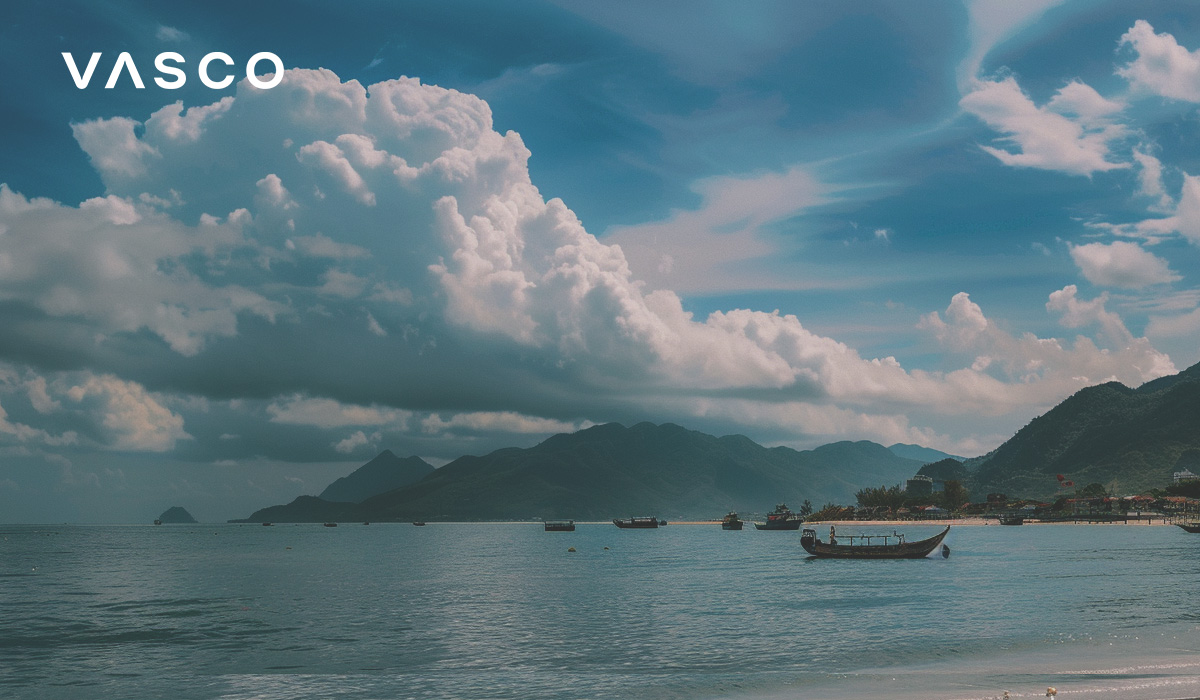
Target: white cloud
(1071,134)
(499,421)
(1184,220)
(1162,66)
(1121,264)
(328,413)
(133,418)
(698,250)
(165,33)
(1150,180)
(356,440)
(428,209)
(992,21)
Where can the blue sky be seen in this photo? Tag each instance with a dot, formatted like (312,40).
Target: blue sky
(458,226)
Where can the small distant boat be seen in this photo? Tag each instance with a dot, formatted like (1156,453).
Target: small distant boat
(330,524)
(1012,519)
(731,522)
(266,524)
(1190,527)
(782,518)
(637,523)
(366,523)
(662,523)
(892,546)
(419,523)
(157,522)
(560,526)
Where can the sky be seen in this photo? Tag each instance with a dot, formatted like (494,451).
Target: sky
(459,226)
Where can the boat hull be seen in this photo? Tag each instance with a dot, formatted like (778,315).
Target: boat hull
(731,526)
(636,523)
(1190,527)
(906,550)
(779,525)
(560,527)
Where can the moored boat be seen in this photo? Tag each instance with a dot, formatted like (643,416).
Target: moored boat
(891,546)
(782,518)
(1190,527)
(636,523)
(731,522)
(419,523)
(330,524)
(1012,519)
(560,526)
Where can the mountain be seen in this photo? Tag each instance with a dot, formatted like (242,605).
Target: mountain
(1129,440)
(176,515)
(611,471)
(307,509)
(382,474)
(921,454)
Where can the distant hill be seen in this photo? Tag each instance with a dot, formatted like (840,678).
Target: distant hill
(613,471)
(307,509)
(925,455)
(176,515)
(1129,440)
(948,469)
(380,475)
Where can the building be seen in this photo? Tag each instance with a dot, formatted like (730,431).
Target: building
(919,485)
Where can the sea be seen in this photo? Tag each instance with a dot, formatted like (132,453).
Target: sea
(506,610)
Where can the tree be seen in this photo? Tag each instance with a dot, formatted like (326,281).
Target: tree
(881,497)
(806,508)
(1093,490)
(954,495)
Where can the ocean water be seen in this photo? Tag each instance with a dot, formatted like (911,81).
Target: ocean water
(506,611)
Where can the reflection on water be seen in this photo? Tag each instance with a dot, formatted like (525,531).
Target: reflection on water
(505,611)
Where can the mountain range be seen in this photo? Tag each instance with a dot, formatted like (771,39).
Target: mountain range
(1129,440)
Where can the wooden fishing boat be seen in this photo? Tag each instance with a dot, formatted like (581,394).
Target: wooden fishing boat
(636,523)
(731,522)
(560,526)
(782,518)
(891,546)
(1190,527)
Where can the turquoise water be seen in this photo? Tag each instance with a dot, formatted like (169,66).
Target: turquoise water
(505,611)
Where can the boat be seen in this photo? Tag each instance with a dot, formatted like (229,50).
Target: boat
(266,524)
(636,523)
(731,522)
(782,518)
(419,523)
(891,546)
(330,524)
(157,522)
(560,526)
(662,523)
(1012,519)
(1190,527)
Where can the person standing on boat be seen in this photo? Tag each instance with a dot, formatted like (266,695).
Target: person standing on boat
(832,535)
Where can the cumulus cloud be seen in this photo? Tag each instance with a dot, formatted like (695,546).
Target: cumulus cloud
(1073,133)
(356,440)
(401,209)
(133,419)
(1121,264)
(1162,67)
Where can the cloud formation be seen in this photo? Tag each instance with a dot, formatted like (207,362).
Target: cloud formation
(1121,264)
(1073,133)
(378,259)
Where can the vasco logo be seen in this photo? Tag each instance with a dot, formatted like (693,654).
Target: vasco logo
(125,63)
